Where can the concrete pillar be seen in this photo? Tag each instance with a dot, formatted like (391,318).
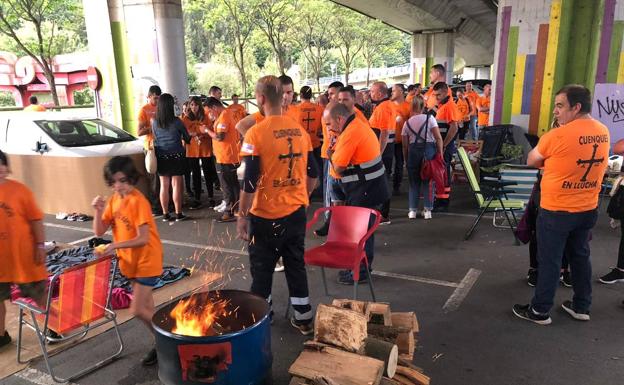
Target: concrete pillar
(418,73)
(429,49)
(443,52)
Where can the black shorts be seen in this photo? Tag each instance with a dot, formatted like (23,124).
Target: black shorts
(171,164)
(34,290)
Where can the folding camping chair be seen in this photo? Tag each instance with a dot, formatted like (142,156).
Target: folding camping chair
(492,198)
(83,303)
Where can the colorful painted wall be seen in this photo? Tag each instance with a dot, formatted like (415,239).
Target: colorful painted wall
(542,45)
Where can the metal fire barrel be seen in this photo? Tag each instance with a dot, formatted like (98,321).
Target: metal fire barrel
(240,357)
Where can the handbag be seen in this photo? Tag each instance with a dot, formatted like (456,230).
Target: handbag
(151,164)
(426,171)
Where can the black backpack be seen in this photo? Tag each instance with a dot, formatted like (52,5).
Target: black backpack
(616,204)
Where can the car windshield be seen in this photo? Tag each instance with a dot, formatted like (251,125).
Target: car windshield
(87,132)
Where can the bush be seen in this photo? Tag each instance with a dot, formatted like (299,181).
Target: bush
(84,97)
(6,99)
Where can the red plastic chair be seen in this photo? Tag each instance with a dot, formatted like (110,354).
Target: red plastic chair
(344,248)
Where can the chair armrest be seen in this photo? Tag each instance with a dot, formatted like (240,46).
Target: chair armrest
(497,183)
(370,231)
(315,218)
(31,307)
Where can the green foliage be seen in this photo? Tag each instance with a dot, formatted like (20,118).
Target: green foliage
(6,99)
(221,74)
(84,97)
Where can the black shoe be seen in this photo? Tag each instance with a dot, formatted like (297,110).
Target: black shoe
(580,315)
(151,358)
(180,217)
(157,213)
(527,313)
(323,230)
(167,217)
(53,337)
(384,221)
(532,277)
(347,279)
(615,275)
(440,209)
(305,328)
(195,205)
(211,203)
(566,278)
(5,339)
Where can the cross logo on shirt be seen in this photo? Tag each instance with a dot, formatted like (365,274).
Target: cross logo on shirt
(308,120)
(590,162)
(290,156)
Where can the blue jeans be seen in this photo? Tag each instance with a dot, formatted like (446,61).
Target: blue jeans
(474,132)
(559,232)
(416,184)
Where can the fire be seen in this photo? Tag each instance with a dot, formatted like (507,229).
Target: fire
(197,315)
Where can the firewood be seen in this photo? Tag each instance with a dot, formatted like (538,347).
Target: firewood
(406,319)
(413,375)
(407,357)
(383,351)
(341,367)
(379,313)
(386,333)
(343,328)
(298,381)
(403,380)
(351,304)
(388,381)
(406,343)
(408,363)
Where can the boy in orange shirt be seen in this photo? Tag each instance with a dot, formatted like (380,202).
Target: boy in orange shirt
(135,237)
(21,244)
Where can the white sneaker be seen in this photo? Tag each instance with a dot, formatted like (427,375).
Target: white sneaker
(427,214)
(412,214)
(279,266)
(223,209)
(220,206)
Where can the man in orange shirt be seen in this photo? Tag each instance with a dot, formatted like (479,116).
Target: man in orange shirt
(448,117)
(146,114)
(226,147)
(237,108)
(310,116)
(464,107)
(34,105)
(356,162)
(383,123)
(483,108)
(403,110)
(280,174)
(288,108)
(471,95)
(574,157)
(437,74)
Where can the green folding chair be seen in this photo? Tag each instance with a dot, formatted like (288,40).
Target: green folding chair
(491,198)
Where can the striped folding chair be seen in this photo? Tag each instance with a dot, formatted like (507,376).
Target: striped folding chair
(83,303)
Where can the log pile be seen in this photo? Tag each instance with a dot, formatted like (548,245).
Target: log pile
(359,343)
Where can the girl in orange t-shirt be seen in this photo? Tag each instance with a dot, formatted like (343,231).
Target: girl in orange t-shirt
(135,237)
(22,253)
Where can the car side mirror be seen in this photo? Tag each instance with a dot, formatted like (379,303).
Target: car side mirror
(41,147)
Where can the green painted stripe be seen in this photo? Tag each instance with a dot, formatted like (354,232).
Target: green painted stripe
(616,48)
(124,78)
(566,45)
(578,59)
(428,64)
(510,69)
(594,43)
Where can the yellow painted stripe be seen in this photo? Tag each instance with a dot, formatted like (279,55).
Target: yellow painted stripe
(549,68)
(87,299)
(620,77)
(516,101)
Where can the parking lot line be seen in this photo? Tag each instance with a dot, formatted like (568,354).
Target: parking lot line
(37,377)
(77,241)
(462,290)
(415,278)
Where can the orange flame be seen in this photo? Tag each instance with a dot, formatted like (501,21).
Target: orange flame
(196,316)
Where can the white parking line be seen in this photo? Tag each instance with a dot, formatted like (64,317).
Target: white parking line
(415,278)
(77,241)
(35,376)
(462,290)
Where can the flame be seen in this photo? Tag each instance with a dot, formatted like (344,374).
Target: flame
(197,315)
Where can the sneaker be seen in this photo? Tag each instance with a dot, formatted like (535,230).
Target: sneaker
(305,328)
(167,217)
(150,359)
(180,217)
(5,339)
(220,206)
(576,314)
(566,278)
(412,214)
(223,209)
(53,337)
(323,230)
(279,266)
(347,278)
(615,275)
(527,313)
(226,217)
(211,202)
(195,205)
(532,277)
(384,221)
(427,214)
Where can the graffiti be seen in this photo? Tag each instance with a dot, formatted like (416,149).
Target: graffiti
(608,108)
(611,109)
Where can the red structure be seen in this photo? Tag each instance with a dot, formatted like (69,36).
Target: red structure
(23,77)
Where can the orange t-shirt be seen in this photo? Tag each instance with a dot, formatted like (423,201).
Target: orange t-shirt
(283,147)
(355,145)
(409,98)
(360,115)
(227,150)
(201,145)
(473,97)
(447,114)
(430,98)
(329,138)
(310,115)
(483,118)
(34,108)
(403,113)
(293,112)
(17,243)
(238,110)
(146,114)
(384,117)
(125,215)
(464,109)
(576,157)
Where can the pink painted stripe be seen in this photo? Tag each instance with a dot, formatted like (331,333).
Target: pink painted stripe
(502,63)
(605,41)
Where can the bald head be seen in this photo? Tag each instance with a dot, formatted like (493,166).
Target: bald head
(336,117)
(378,91)
(269,91)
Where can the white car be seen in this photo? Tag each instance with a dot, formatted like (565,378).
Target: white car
(61,158)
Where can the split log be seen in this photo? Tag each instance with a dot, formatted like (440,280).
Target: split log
(379,313)
(388,381)
(408,363)
(405,319)
(341,367)
(406,343)
(407,357)
(319,380)
(343,328)
(386,333)
(298,381)
(383,351)
(413,375)
(351,304)
(402,380)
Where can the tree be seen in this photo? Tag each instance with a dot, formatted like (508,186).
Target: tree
(348,36)
(277,22)
(56,24)
(380,39)
(312,36)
